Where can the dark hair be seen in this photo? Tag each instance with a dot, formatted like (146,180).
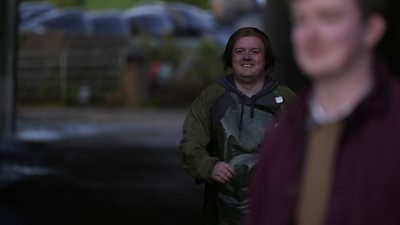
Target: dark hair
(367,7)
(245,32)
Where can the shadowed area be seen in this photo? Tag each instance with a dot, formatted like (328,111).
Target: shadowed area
(98,178)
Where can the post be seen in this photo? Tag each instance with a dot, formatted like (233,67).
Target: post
(8,21)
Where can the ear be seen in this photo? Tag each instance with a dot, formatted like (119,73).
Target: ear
(375,29)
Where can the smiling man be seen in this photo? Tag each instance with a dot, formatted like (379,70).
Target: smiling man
(334,157)
(226,123)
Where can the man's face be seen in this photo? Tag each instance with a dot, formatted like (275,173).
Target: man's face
(327,36)
(248,59)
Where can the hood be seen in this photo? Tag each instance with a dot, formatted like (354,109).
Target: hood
(228,83)
(259,99)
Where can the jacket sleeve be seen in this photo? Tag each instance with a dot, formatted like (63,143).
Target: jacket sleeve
(196,135)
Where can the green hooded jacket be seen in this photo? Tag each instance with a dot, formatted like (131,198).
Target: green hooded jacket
(223,124)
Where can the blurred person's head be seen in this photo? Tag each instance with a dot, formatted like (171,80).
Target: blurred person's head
(249,54)
(331,37)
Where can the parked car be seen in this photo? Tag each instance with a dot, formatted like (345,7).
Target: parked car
(29,10)
(109,22)
(162,18)
(68,20)
(190,20)
(221,34)
(152,19)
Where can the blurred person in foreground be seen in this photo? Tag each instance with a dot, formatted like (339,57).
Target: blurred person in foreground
(226,123)
(334,157)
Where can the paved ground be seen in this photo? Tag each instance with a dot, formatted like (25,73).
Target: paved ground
(127,174)
(144,127)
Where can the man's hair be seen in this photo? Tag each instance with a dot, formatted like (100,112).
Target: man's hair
(367,7)
(246,32)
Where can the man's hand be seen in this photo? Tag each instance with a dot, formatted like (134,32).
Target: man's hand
(222,172)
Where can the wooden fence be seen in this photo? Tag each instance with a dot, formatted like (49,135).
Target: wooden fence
(69,75)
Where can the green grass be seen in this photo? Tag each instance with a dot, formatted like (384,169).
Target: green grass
(124,4)
(115,4)
(107,4)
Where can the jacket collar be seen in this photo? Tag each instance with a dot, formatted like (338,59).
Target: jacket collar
(377,101)
(374,104)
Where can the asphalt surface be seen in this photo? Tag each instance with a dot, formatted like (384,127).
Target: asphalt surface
(119,126)
(96,166)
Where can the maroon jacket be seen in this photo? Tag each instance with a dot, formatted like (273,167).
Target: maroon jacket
(366,185)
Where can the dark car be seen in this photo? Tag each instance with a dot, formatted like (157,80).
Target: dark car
(29,10)
(69,20)
(108,22)
(152,19)
(169,18)
(221,34)
(190,20)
